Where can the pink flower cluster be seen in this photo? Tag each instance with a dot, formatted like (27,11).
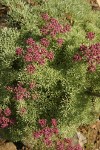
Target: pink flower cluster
(22,111)
(45,42)
(66,144)
(30,68)
(90,35)
(32,85)
(19,51)
(91,54)
(77,57)
(60,41)
(35,53)
(22,93)
(46,133)
(5,120)
(53,28)
(45,16)
(30,41)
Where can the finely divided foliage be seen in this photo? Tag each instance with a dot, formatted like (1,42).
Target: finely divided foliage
(49,68)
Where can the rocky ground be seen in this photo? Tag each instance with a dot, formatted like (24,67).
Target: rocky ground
(92,134)
(95,4)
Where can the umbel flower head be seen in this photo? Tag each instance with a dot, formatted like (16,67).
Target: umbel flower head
(6,118)
(7,111)
(53,28)
(90,35)
(35,54)
(91,55)
(45,16)
(19,51)
(42,122)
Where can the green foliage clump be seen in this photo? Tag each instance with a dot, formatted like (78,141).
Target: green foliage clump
(62,85)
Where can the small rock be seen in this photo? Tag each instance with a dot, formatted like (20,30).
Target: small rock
(98,1)
(8,146)
(79,138)
(82,139)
